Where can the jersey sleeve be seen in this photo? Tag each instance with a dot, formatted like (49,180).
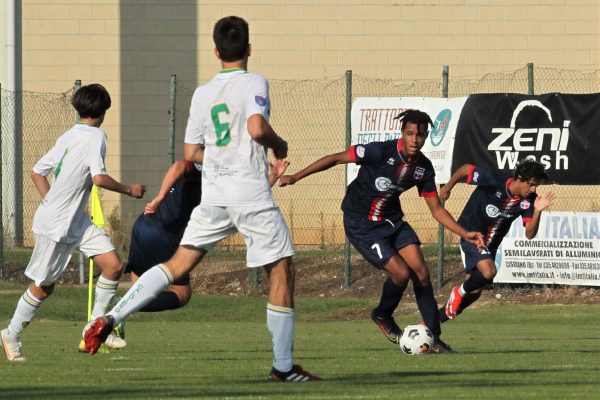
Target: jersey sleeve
(193,131)
(369,153)
(528,208)
(48,162)
(426,187)
(96,153)
(481,177)
(258,101)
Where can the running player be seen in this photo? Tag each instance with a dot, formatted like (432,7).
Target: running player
(492,208)
(373,218)
(229,117)
(61,225)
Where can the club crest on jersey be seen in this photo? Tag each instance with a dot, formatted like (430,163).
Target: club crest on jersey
(525,204)
(261,101)
(419,173)
(475,176)
(360,151)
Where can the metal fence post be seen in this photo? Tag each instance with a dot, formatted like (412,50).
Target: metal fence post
(76,87)
(347,264)
(1,210)
(530,88)
(440,263)
(173,94)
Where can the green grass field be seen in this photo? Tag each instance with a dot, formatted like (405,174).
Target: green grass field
(218,347)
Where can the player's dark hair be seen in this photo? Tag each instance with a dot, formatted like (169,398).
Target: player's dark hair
(529,169)
(91,101)
(416,117)
(231,38)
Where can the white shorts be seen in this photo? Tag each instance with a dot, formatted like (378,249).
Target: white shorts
(264,230)
(50,259)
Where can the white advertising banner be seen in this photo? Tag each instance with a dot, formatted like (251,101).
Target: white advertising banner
(373,120)
(565,251)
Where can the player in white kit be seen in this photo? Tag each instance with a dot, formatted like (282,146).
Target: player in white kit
(61,224)
(228,131)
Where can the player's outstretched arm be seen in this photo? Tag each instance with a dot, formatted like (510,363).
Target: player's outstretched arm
(193,153)
(175,171)
(443,217)
(320,165)
(539,205)
(277,170)
(103,181)
(456,177)
(262,132)
(41,183)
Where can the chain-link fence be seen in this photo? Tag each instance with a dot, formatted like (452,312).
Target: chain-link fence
(311,116)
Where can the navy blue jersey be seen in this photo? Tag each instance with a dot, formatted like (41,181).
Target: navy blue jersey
(174,212)
(384,175)
(492,208)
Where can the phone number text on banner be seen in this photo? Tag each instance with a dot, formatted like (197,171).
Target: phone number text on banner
(565,251)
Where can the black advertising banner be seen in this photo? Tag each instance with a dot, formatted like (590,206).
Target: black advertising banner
(562,131)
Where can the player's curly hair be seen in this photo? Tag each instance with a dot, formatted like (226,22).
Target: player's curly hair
(529,169)
(231,36)
(91,101)
(415,116)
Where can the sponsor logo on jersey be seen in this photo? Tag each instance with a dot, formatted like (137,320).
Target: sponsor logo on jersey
(383,184)
(440,127)
(360,151)
(492,211)
(525,204)
(419,173)
(261,101)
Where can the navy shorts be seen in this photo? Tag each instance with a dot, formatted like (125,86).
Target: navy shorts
(378,241)
(471,255)
(150,246)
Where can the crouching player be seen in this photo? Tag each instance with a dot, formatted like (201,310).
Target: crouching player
(492,208)
(156,233)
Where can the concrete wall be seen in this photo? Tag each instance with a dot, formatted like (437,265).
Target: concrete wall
(133,47)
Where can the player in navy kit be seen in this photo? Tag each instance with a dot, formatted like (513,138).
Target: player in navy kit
(156,233)
(373,217)
(491,209)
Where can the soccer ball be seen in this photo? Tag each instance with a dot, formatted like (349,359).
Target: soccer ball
(416,339)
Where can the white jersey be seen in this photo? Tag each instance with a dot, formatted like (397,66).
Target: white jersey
(235,168)
(76,157)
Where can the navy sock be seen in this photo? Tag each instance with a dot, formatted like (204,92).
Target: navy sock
(428,308)
(165,300)
(469,299)
(391,295)
(475,281)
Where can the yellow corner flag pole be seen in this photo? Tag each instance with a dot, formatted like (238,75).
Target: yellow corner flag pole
(98,219)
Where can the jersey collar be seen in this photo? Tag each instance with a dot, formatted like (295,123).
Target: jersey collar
(508,192)
(400,147)
(228,73)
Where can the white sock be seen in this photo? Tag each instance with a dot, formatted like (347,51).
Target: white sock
(280,322)
(142,292)
(461,290)
(105,291)
(26,308)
